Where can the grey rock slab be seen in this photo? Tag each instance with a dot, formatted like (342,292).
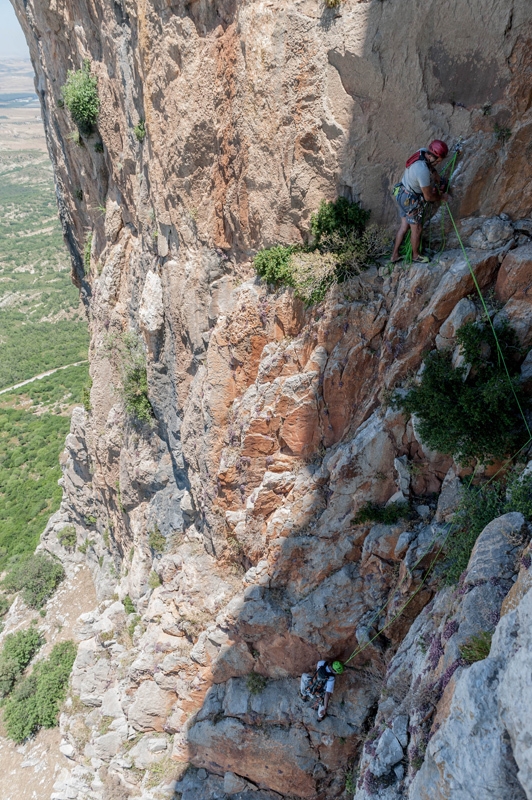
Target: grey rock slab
(469,757)
(108,745)
(496,549)
(388,753)
(450,495)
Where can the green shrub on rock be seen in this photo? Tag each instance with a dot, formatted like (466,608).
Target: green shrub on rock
(17,652)
(470,412)
(80,96)
(339,217)
(37,578)
(342,247)
(36,700)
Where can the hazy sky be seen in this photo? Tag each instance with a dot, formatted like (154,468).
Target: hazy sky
(12,41)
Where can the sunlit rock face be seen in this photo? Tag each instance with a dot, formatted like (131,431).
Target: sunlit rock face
(226,517)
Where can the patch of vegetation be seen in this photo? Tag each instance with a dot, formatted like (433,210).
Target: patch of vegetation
(131,361)
(256,683)
(67,537)
(140,130)
(17,652)
(471,412)
(478,506)
(127,602)
(157,541)
(86,396)
(371,512)
(37,577)
(477,647)
(338,218)
(87,250)
(33,425)
(98,147)
(341,248)
(154,581)
(80,96)
(36,700)
(502,134)
(4,605)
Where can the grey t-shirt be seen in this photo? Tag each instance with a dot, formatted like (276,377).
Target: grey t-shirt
(416,177)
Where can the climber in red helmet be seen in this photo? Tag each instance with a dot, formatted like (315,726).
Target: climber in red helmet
(419,185)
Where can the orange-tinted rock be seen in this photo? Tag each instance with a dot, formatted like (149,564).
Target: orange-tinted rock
(515,275)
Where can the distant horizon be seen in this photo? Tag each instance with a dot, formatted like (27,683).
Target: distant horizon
(13,44)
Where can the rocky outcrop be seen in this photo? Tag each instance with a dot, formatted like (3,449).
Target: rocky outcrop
(219,526)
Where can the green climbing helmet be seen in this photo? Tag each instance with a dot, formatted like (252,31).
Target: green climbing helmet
(337,667)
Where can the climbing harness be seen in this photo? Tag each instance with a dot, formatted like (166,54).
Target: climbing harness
(456,151)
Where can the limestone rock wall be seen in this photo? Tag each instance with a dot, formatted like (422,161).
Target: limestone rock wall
(226,520)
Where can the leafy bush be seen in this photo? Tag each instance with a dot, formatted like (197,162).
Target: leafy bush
(67,537)
(370,512)
(478,507)
(20,647)
(127,602)
(140,130)
(341,248)
(37,578)
(17,652)
(274,264)
(80,96)
(339,217)
(8,675)
(36,700)
(157,541)
(136,394)
(470,414)
(477,647)
(256,683)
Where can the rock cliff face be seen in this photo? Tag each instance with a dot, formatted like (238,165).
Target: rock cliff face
(227,519)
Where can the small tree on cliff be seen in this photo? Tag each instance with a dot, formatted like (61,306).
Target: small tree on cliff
(80,96)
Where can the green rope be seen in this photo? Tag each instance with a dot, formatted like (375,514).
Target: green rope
(360,649)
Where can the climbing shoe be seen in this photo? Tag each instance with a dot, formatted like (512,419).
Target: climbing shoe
(421,260)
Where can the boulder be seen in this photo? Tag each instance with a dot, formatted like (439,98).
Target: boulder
(515,275)
(150,707)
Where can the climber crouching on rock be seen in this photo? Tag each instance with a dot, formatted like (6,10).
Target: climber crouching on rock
(419,185)
(320,686)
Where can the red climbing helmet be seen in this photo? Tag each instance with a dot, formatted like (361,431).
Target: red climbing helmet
(438,148)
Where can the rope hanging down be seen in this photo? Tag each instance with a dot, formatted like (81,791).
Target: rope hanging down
(502,360)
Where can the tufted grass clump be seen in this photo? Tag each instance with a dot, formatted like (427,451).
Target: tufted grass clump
(341,247)
(157,541)
(37,577)
(36,700)
(67,537)
(256,683)
(477,647)
(471,412)
(387,515)
(80,96)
